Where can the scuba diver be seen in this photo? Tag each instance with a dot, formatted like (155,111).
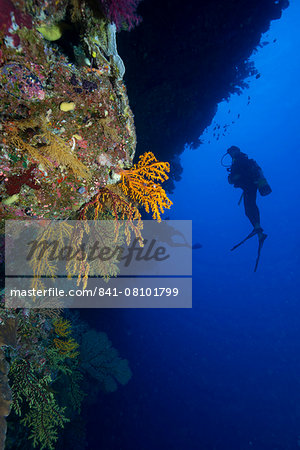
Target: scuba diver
(246,174)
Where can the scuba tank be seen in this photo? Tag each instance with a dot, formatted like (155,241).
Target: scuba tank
(262,184)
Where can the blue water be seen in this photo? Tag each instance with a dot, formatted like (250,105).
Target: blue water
(224,375)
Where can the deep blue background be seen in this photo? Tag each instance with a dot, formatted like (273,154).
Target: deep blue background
(226,374)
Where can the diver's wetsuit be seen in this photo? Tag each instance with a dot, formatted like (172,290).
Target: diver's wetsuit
(244,173)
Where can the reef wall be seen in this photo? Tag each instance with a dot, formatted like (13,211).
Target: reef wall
(183,60)
(66,125)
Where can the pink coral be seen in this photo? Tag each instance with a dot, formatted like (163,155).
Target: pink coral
(122,12)
(10,19)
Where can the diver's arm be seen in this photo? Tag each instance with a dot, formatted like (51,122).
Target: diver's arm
(233,178)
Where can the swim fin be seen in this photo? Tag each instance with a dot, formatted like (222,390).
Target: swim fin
(253,233)
(261,241)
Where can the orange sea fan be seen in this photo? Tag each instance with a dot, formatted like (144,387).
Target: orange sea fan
(62,327)
(67,347)
(120,209)
(142,184)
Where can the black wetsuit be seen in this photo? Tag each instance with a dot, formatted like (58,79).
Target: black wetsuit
(245,173)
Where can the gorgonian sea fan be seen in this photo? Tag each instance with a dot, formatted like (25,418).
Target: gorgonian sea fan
(122,12)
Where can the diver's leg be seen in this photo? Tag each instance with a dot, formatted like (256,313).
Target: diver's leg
(251,209)
(252,212)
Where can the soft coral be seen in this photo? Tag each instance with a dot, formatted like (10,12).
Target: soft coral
(122,11)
